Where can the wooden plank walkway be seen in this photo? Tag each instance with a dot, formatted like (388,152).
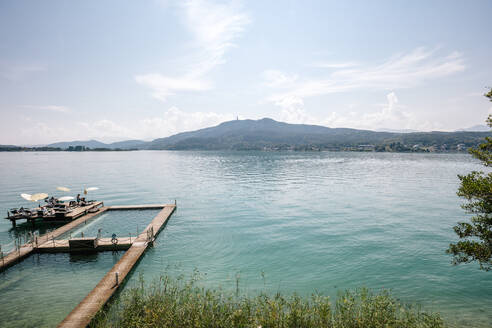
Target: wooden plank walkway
(28,248)
(79,211)
(103,244)
(82,315)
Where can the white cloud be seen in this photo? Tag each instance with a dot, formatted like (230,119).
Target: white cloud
(164,86)
(400,71)
(390,116)
(334,65)
(214,27)
(53,108)
(274,78)
(172,121)
(175,121)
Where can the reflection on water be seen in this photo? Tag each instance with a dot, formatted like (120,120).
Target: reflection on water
(309,221)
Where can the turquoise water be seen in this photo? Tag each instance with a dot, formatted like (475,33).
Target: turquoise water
(43,289)
(308,221)
(121,223)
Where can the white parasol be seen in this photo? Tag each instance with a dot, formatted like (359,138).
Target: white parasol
(27,197)
(90,189)
(39,196)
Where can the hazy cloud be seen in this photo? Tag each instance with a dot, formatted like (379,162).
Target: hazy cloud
(274,78)
(334,65)
(391,115)
(172,121)
(163,86)
(175,120)
(399,71)
(15,72)
(53,108)
(213,26)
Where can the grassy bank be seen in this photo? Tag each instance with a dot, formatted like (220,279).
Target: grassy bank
(182,303)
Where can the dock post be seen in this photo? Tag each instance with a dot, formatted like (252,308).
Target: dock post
(14,224)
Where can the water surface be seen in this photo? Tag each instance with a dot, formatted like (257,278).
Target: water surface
(294,222)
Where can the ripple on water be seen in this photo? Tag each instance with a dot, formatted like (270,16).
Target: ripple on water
(310,221)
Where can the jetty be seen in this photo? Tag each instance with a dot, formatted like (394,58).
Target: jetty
(82,315)
(135,247)
(38,241)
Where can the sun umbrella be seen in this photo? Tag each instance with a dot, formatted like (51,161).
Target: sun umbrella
(27,197)
(39,196)
(90,189)
(63,188)
(65,198)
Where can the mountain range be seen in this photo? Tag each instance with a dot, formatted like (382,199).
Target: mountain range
(273,135)
(127,144)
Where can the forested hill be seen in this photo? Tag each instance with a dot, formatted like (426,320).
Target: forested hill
(268,134)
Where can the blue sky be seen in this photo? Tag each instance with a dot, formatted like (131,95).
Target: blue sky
(114,70)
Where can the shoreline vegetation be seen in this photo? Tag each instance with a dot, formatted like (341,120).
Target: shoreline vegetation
(182,303)
(391,148)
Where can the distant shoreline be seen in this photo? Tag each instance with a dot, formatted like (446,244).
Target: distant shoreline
(354,149)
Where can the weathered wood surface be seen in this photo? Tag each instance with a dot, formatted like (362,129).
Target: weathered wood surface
(103,244)
(87,309)
(82,210)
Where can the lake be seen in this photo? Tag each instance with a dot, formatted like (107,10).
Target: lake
(277,221)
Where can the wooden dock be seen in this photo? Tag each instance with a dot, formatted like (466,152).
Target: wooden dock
(28,248)
(82,215)
(83,210)
(82,315)
(103,244)
(75,213)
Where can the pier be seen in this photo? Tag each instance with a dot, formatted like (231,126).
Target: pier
(82,315)
(37,242)
(96,245)
(135,247)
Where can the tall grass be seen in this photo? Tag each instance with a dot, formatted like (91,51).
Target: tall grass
(181,303)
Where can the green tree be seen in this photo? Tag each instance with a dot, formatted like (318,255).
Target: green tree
(476,236)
